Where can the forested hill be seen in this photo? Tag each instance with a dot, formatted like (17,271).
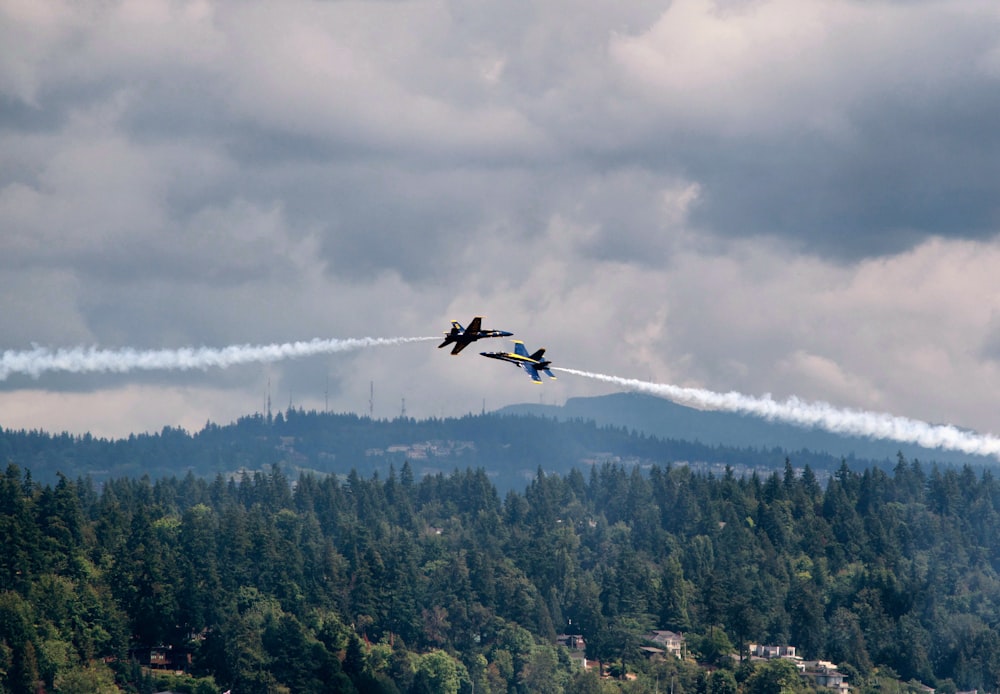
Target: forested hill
(400,584)
(509,447)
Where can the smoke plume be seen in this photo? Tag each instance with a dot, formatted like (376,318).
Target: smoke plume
(40,360)
(848,422)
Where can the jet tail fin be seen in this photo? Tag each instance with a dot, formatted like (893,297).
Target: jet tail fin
(537,356)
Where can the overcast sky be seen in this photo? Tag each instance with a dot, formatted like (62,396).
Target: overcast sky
(791,197)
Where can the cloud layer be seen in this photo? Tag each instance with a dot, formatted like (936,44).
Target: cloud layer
(769,196)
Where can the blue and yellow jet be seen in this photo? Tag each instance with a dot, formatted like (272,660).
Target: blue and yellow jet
(532,363)
(463,337)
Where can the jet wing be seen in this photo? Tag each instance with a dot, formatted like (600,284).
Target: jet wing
(459,346)
(533,372)
(520,349)
(475,326)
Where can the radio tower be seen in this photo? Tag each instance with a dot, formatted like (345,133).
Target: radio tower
(371,400)
(402,411)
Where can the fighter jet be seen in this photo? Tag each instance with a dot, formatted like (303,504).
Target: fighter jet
(532,363)
(463,337)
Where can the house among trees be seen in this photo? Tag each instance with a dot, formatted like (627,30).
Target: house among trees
(577,648)
(823,673)
(668,641)
(162,658)
(757,650)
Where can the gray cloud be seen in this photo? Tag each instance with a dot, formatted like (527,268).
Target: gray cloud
(705,190)
(846,129)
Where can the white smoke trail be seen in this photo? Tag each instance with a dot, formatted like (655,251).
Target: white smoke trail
(848,422)
(41,360)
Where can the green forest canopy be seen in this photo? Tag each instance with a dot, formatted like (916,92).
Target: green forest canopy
(392,583)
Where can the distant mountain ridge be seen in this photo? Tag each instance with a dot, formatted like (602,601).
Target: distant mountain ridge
(664,419)
(512,444)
